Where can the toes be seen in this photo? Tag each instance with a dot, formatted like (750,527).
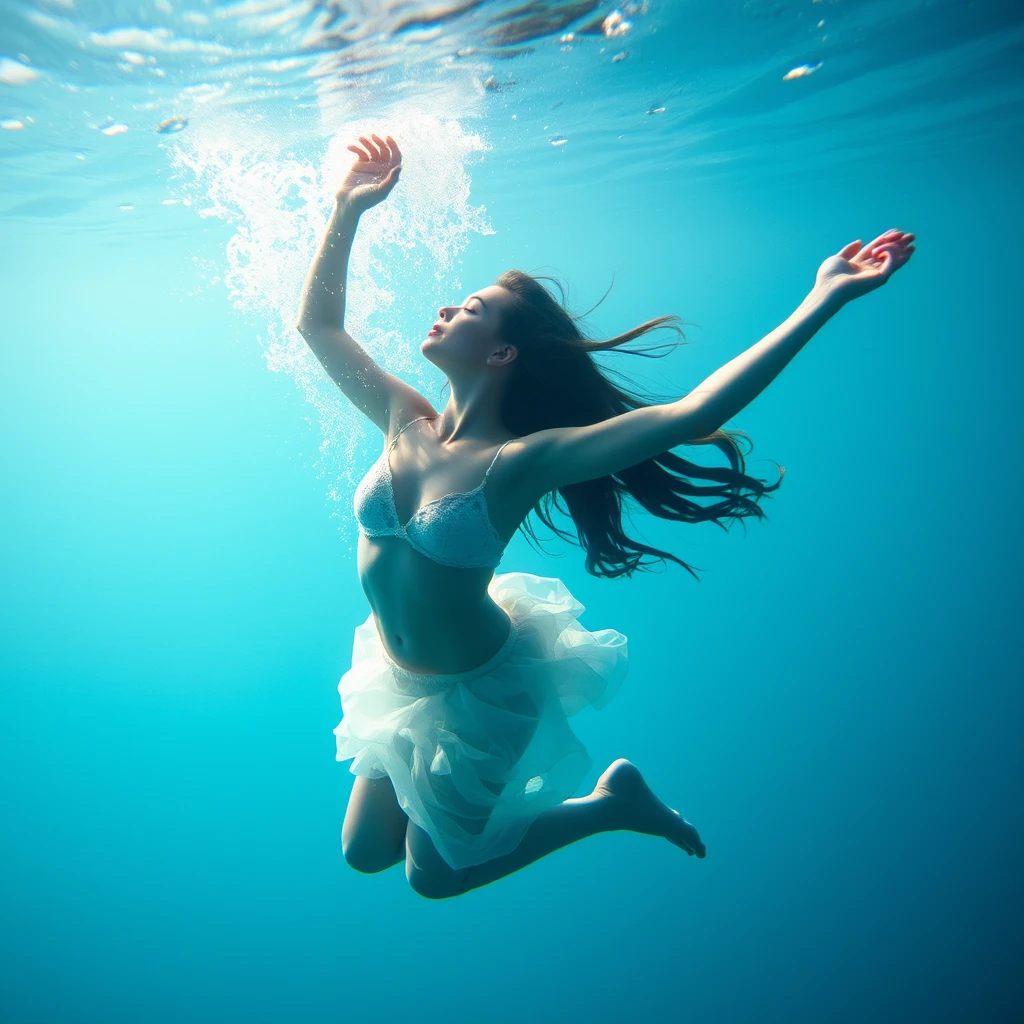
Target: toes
(690,838)
(698,847)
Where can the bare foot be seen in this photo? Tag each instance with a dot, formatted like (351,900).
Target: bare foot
(640,810)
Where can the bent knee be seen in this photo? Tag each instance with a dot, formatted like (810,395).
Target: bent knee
(369,859)
(436,885)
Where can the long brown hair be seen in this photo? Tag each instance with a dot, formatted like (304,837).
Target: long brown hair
(552,350)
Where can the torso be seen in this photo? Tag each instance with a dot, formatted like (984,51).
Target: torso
(434,618)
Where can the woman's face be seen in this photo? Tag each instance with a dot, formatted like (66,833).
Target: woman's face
(466,336)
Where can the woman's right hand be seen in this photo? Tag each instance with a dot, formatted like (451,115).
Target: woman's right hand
(373,175)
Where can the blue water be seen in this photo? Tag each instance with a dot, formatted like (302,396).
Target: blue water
(836,704)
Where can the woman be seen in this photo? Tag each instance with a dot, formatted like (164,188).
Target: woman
(455,708)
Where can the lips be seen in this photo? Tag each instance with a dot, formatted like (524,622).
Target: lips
(434,330)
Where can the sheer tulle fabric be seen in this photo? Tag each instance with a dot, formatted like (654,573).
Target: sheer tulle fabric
(475,756)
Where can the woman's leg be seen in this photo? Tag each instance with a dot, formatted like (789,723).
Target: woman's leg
(620,800)
(373,834)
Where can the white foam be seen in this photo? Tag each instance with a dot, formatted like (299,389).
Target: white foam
(404,261)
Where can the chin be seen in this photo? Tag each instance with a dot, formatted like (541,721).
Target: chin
(429,350)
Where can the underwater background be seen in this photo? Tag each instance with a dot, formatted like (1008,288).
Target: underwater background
(836,704)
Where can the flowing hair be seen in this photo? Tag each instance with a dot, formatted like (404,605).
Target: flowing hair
(552,351)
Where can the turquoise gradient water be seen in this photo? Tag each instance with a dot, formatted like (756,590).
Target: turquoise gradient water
(836,704)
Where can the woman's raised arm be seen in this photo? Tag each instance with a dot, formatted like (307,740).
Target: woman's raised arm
(322,309)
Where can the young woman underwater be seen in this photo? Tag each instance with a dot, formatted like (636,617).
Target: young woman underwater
(455,708)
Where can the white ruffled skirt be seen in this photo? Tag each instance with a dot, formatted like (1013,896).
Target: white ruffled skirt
(475,756)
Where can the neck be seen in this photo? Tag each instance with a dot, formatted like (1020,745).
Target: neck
(471,413)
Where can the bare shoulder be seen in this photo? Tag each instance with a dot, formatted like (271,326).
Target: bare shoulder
(514,483)
(405,403)
(522,456)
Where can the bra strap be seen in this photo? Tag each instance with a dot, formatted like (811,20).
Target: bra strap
(404,425)
(495,459)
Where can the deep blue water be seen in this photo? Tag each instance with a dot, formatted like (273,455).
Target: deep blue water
(836,704)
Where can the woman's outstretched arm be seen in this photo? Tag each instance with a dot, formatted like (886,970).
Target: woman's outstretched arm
(567,455)
(852,272)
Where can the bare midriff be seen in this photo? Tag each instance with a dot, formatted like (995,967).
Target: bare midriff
(432,618)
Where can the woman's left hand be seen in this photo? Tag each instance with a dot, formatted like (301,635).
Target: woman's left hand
(856,270)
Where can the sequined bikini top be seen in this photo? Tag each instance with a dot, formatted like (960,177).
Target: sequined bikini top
(453,530)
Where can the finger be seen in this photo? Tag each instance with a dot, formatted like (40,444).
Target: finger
(892,250)
(384,148)
(395,151)
(900,246)
(886,236)
(898,249)
(848,250)
(900,256)
(370,147)
(892,236)
(360,153)
(876,250)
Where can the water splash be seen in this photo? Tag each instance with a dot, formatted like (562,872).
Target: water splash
(406,248)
